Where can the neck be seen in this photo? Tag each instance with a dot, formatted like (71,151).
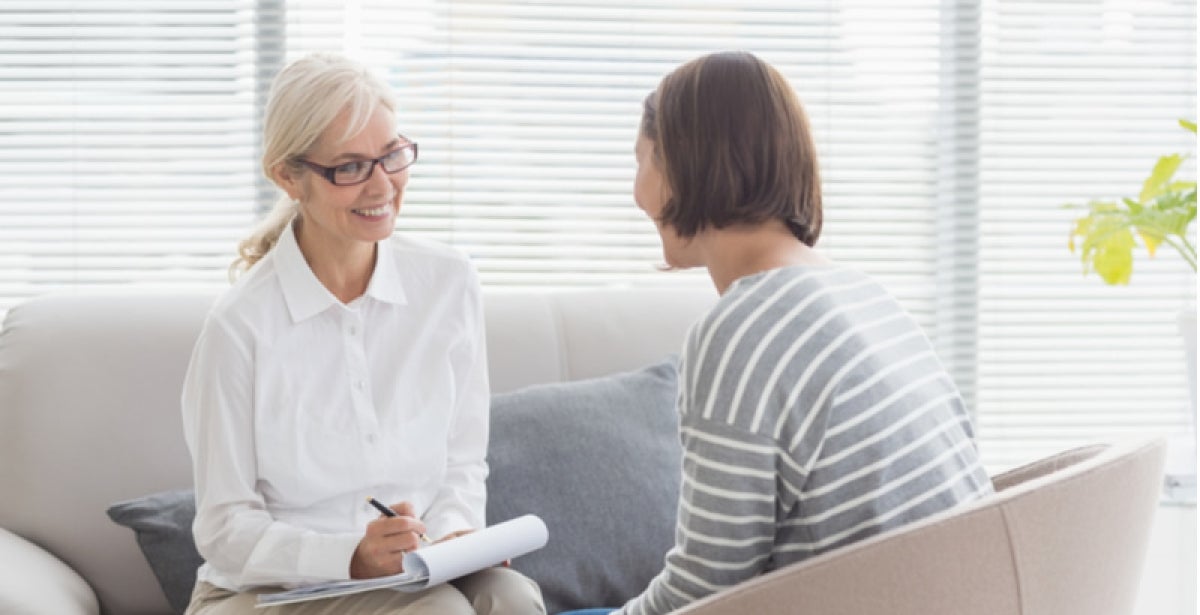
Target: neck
(343,268)
(737,252)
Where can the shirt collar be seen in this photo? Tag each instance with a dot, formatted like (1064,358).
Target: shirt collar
(385,284)
(306,296)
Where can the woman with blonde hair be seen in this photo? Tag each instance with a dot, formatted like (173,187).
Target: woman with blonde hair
(345,363)
(813,411)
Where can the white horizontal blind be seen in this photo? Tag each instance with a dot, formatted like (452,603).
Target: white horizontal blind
(126,142)
(949,131)
(527,113)
(1079,99)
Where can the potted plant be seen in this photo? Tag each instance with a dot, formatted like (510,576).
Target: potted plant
(1162,214)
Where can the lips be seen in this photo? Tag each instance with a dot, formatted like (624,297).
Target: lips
(373,212)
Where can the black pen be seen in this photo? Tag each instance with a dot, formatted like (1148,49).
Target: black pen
(387,512)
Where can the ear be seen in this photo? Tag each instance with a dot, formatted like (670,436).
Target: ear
(289,179)
(664,191)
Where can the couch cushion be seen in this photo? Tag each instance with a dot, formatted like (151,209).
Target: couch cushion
(588,457)
(599,461)
(162,523)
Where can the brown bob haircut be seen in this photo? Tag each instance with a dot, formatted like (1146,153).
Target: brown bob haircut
(734,145)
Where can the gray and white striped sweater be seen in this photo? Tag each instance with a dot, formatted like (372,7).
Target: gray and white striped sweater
(814,413)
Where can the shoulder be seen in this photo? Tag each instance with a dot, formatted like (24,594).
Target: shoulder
(255,296)
(790,285)
(429,260)
(775,337)
(426,250)
(787,297)
(436,278)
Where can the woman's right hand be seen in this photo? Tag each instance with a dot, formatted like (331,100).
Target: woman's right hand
(381,551)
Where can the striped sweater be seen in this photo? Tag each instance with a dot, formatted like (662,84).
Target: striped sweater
(814,413)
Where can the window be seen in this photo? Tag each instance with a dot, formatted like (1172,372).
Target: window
(127,142)
(1079,100)
(949,132)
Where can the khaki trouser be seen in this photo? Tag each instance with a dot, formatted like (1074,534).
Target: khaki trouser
(492,591)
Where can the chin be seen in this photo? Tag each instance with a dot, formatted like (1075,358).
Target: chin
(677,261)
(676,251)
(369,236)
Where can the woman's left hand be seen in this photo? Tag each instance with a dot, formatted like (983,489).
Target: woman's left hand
(452,535)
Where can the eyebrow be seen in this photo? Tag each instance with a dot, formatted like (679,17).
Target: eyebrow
(391,145)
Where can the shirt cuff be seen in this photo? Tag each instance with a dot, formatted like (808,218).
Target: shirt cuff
(446,523)
(327,556)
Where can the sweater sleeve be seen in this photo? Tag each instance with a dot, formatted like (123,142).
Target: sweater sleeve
(725,529)
(726,519)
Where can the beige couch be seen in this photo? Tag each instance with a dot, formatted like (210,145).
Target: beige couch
(89,415)
(1065,535)
(89,389)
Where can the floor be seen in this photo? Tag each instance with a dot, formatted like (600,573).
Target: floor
(1169,580)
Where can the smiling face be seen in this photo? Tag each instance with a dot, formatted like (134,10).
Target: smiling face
(341,220)
(651,193)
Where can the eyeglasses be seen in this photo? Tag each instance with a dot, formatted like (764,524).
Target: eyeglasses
(359,171)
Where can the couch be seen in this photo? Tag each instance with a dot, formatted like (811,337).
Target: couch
(1064,535)
(89,416)
(582,434)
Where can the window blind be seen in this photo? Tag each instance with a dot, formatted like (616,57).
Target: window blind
(1079,99)
(126,142)
(527,115)
(949,132)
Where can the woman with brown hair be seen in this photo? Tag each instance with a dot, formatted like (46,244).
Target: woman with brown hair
(813,410)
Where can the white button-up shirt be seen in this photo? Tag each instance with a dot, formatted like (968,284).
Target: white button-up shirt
(297,407)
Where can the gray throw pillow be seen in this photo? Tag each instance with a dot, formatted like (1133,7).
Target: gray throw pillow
(162,523)
(599,461)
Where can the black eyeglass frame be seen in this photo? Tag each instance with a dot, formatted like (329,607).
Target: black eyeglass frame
(330,173)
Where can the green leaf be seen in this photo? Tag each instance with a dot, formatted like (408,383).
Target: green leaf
(1169,215)
(1113,257)
(1163,213)
(1160,177)
(1176,222)
(1151,241)
(1183,187)
(1103,207)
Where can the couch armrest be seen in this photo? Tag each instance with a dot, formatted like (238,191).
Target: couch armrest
(34,582)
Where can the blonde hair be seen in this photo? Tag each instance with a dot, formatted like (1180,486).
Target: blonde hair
(305,98)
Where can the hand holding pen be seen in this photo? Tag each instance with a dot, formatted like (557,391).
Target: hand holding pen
(382,548)
(388,512)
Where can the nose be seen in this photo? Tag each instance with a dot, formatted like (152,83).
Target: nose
(379,181)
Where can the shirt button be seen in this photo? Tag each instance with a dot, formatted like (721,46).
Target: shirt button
(371,439)
(353,330)
(359,384)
